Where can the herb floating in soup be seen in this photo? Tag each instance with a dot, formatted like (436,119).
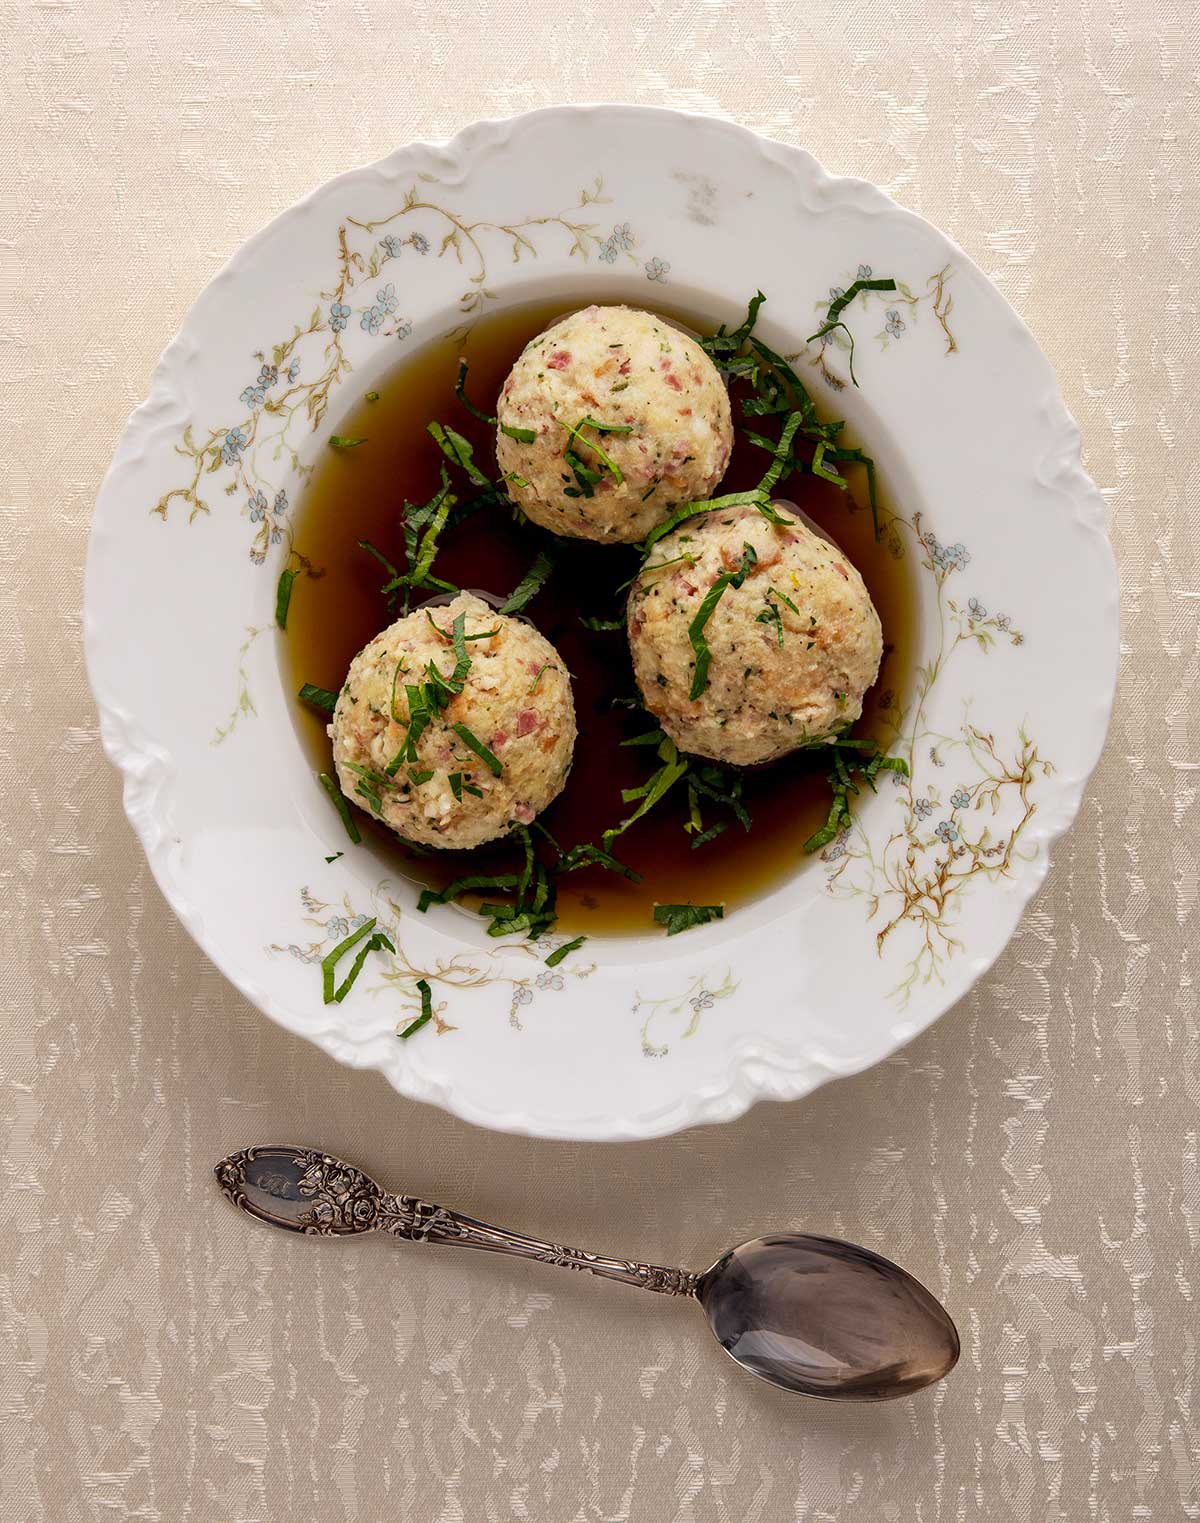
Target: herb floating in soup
(554,664)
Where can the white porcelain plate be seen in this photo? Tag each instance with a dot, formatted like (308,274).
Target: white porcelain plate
(866,945)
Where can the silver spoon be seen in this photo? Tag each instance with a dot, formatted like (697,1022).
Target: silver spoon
(810,1314)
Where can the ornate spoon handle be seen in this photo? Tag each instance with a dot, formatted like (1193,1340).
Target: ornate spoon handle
(315,1193)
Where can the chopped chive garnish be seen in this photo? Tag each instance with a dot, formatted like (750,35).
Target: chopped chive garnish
(319,697)
(340,441)
(330,785)
(334,993)
(537,679)
(426,1014)
(283,597)
(564,951)
(682,917)
(489,758)
(455,781)
(372,396)
(529,585)
(417,778)
(711,598)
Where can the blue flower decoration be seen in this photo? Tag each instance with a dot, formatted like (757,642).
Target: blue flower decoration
(922,808)
(235,442)
(293,370)
(267,376)
(608,252)
(522,995)
(404,328)
(895,324)
(372,319)
(339,316)
(276,534)
(258,507)
(281,502)
(1003,621)
(251,397)
(701,1001)
(657,269)
(947,831)
(549,981)
(976,609)
(960,798)
(864,272)
(338,927)
(836,291)
(386,298)
(621,235)
(954,557)
(420,243)
(391,246)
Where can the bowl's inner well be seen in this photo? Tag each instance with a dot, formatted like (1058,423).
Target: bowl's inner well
(356,495)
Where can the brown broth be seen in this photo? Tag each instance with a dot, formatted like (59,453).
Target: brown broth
(359,494)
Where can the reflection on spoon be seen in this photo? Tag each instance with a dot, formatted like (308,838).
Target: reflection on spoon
(811,1314)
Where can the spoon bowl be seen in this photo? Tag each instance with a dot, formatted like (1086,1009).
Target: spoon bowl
(826,1318)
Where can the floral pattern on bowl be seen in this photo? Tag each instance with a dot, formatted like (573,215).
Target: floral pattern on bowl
(637,1036)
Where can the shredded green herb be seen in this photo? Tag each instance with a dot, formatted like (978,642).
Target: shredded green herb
(426,1014)
(341,804)
(473,883)
(530,584)
(682,917)
(489,758)
(711,598)
(601,625)
(852,757)
(668,774)
(564,951)
(521,435)
(585,475)
(458,451)
(319,697)
(340,441)
(283,597)
(335,857)
(691,509)
(833,317)
(334,993)
(720,346)
(372,396)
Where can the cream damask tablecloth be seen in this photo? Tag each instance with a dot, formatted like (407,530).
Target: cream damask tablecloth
(1036,1157)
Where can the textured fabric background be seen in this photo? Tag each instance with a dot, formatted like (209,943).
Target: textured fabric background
(1036,1157)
